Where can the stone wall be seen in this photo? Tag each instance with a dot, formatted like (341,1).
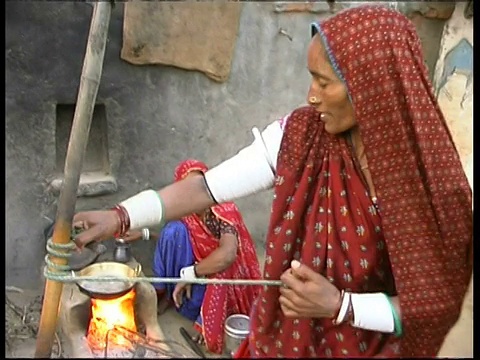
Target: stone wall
(453,80)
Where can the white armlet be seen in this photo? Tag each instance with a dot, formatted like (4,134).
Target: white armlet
(250,171)
(188,273)
(270,138)
(144,209)
(372,312)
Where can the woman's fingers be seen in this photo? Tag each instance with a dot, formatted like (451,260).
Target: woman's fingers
(294,298)
(177,298)
(287,311)
(178,294)
(288,307)
(291,281)
(81,225)
(89,235)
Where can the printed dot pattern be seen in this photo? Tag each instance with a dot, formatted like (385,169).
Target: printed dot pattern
(418,246)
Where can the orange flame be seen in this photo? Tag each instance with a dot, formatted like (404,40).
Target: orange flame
(106,314)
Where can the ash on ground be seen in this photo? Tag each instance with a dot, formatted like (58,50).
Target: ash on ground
(22,316)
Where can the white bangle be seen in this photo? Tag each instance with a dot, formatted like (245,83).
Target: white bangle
(145,234)
(343,308)
(144,209)
(372,311)
(188,273)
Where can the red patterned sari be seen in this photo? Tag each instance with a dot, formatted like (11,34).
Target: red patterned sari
(418,244)
(220,301)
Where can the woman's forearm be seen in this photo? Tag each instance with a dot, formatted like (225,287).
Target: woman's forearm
(185,197)
(250,171)
(219,259)
(216,262)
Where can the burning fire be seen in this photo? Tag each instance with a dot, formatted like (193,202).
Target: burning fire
(106,314)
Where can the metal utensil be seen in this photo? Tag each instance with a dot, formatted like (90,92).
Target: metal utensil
(193,345)
(107,289)
(86,256)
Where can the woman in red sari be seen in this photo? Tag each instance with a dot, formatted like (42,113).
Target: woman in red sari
(216,244)
(371,225)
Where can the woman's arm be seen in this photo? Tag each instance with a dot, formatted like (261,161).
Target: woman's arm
(183,198)
(221,258)
(309,294)
(250,171)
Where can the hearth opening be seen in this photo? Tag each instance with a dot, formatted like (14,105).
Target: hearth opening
(107,317)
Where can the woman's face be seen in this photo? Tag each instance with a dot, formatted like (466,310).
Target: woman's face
(327,92)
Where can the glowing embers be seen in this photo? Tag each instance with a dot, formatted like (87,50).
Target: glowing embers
(107,315)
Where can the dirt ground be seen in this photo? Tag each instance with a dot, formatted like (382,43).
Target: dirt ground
(22,313)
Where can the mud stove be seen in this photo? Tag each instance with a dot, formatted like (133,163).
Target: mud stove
(123,327)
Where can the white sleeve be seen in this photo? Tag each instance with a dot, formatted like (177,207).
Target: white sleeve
(251,170)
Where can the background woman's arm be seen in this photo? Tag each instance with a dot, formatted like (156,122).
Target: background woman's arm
(220,259)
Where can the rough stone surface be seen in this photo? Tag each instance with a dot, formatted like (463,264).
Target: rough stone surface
(430,9)
(303,6)
(453,81)
(90,184)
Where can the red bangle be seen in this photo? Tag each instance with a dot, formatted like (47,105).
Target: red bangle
(124,220)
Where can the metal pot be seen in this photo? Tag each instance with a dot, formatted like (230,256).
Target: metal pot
(237,327)
(107,289)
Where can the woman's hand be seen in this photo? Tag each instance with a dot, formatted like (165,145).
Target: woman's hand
(177,295)
(307,293)
(96,225)
(133,235)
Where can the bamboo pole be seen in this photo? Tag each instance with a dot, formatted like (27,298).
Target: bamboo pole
(87,93)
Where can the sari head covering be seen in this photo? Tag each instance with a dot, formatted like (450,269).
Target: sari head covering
(221,301)
(323,217)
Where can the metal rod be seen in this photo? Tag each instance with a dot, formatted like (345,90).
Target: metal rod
(87,93)
(165,280)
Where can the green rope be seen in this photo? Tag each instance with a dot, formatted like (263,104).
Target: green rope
(52,251)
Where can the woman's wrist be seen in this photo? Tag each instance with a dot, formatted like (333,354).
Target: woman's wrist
(339,296)
(123,221)
(195,270)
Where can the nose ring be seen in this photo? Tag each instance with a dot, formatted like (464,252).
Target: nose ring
(313,100)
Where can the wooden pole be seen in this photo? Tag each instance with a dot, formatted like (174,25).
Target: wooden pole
(87,93)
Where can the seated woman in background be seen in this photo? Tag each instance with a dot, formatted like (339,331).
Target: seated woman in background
(215,244)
